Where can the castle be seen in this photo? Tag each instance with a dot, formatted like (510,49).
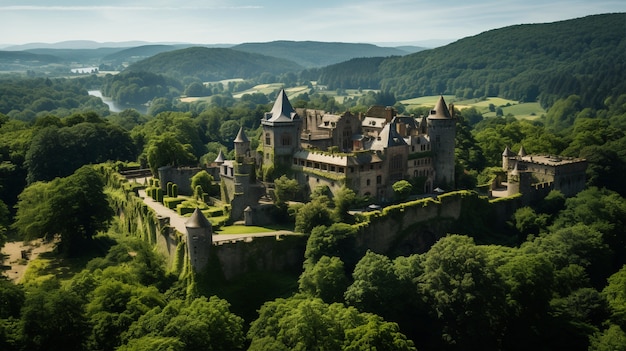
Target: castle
(535,175)
(366,153)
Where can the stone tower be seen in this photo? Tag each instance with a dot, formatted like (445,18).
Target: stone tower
(441,127)
(199,240)
(281,133)
(506,156)
(242,145)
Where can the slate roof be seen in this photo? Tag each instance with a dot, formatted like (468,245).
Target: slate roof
(220,157)
(282,111)
(197,220)
(388,137)
(440,111)
(241,137)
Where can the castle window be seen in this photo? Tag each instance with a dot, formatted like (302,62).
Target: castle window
(332,168)
(379,180)
(286,140)
(367,182)
(351,169)
(341,170)
(396,162)
(268,139)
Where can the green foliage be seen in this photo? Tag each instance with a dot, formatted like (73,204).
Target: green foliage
(53,319)
(285,189)
(205,181)
(74,207)
(208,64)
(300,323)
(325,279)
(88,143)
(166,150)
(402,189)
(313,214)
(458,277)
(24,98)
(201,324)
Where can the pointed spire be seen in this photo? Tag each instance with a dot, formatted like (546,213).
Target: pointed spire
(220,158)
(521,152)
(197,220)
(440,111)
(282,111)
(241,137)
(507,152)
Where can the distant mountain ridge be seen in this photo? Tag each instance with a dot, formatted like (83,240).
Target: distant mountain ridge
(311,54)
(212,64)
(530,62)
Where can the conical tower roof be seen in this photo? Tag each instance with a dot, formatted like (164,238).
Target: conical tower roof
(507,152)
(220,157)
(521,152)
(440,111)
(282,111)
(241,137)
(198,220)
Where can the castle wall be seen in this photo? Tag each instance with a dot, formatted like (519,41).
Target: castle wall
(261,254)
(178,176)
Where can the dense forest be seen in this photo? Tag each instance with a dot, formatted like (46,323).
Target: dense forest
(525,62)
(212,64)
(312,54)
(553,276)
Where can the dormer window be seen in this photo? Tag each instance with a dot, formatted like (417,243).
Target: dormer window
(433,112)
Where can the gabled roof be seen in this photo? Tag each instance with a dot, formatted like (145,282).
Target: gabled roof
(388,137)
(241,137)
(220,157)
(440,111)
(197,220)
(282,111)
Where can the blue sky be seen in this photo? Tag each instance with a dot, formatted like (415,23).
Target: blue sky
(221,21)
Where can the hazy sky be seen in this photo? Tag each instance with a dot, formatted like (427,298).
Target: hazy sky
(237,21)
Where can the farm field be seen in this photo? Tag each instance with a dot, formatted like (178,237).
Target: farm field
(528,110)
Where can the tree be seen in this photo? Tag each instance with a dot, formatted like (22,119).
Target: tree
(344,199)
(457,277)
(334,240)
(74,207)
(326,279)
(313,214)
(301,323)
(285,189)
(166,150)
(205,181)
(53,319)
(375,286)
(402,189)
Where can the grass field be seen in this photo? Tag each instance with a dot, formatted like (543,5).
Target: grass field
(244,229)
(529,110)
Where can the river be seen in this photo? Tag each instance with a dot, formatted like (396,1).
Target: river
(114,107)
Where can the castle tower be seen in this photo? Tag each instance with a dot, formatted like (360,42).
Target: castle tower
(506,156)
(442,131)
(199,240)
(242,145)
(281,133)
(219,160)
(521,152)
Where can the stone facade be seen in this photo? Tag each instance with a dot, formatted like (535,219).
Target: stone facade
(535,175)
(367,153)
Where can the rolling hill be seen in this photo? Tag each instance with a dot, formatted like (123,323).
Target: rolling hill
(544,62)
(312,54)
(211,64)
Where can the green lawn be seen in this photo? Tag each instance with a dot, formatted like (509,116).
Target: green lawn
(244,229)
